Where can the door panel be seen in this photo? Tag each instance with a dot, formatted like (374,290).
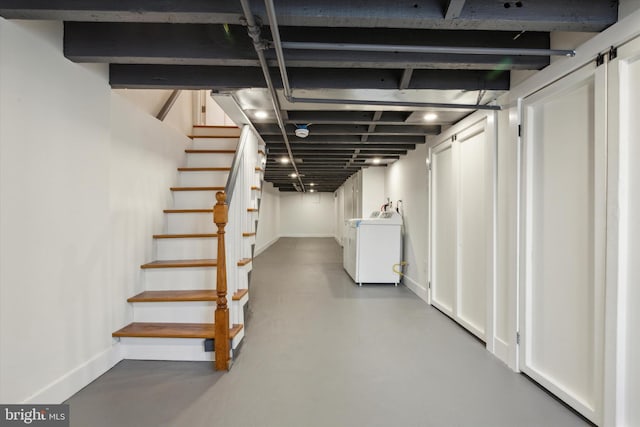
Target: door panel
(472,234)
(444,231)
(565,179)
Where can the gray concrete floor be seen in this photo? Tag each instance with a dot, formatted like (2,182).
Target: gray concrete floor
(320,351)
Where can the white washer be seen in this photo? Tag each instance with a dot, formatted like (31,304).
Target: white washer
(373,248)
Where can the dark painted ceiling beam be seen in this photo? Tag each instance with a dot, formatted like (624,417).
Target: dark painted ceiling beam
(301,147)
(149,76)
(347,129)
(352,117)
(540,15)
(349,139)
(200,44)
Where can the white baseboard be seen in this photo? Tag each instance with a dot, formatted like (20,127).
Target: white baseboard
(416,287)
(73,381)
(306,235)
(501,350)
(259,250)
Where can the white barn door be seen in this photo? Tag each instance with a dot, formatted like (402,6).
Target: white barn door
(623,267)
(563,253)
(462,227)
(443,217)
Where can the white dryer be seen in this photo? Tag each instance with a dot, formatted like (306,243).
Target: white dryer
(373,249)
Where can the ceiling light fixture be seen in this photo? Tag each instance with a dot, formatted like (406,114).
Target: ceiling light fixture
(312,191)
(302,131)
(261,114)
(294,175)
(312,184)
(284,160)
(376,161)
(429,117)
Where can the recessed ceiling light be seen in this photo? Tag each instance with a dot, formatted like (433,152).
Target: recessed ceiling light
(312,191)
(312,184)
(261,114)
(294,175)
(376,161)
(284,160)
(429,117)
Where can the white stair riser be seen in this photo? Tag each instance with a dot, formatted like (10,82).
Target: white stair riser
(188,349)
(220,131)
(203,179)
(189,223)
(165,279)
(213,160)
(174,312)
(192,248)
(194,199)
(215,143)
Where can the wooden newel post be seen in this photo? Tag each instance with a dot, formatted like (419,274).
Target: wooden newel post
(222,344)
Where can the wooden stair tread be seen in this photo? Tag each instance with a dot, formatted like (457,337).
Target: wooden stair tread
(255,188)
(213,136)
(187,211)
(216,126)
(244,261)
(203,169)
(207,151)
(172,330)
(262,152)
(259,169)
(248,234)
(181,263)
(197,188)
(237,296)
(184,236)
(252,209)
(177,296)
(174,296)
(167,330)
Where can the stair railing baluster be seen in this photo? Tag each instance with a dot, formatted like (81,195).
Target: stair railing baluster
(221,320)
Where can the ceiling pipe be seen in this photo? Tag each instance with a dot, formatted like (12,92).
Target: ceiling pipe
(450,50)
(254,32)
(278,45)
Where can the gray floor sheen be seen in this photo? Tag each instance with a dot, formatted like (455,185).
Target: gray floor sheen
(320,351)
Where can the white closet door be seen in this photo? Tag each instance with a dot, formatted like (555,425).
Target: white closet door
(462,215)
(564,218)
(472,233)
(623,255)
(443,184)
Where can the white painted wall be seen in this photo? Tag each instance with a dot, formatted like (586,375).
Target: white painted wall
(81,174)
(306,214)
(406,180)
(151,101)
(269,223)
(373,186)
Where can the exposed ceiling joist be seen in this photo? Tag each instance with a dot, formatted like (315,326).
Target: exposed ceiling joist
(539,15)
(148,76)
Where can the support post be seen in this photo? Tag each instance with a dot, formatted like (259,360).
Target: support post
(222,343)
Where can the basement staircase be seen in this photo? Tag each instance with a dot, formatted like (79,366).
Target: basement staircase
(173,318)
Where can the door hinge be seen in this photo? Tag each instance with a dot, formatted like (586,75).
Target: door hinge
(429,284)
(519,130)
(613,53)
(203,109)
(518,338)
(599,59)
